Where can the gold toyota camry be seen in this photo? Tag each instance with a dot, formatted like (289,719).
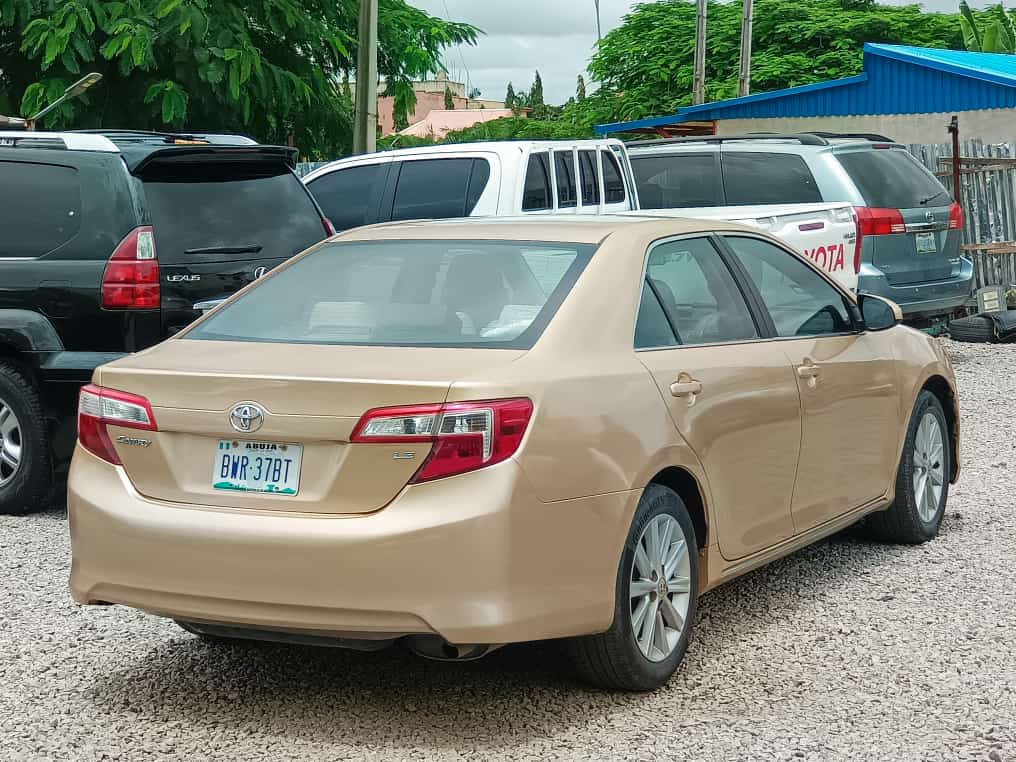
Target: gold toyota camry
(462,434)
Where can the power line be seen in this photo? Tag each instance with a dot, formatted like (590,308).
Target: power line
(448,15)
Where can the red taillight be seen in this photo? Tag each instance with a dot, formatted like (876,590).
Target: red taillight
(131,278)
(329,227)
(464,436)
(858,243)
(873,221)
(99,407)
(955,217)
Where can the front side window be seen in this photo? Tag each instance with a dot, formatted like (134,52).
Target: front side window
(678,181)
(439,188)
(800,301)
(407,293)
(698,294)
(344,195)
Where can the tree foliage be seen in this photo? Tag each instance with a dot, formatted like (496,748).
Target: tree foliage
(647,62)
(272,68)
(993,31)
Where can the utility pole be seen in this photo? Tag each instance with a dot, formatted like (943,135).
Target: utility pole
(599,33)
(699,86)
(365,109)
(744,78)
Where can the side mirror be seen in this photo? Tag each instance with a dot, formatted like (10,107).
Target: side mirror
(878,314)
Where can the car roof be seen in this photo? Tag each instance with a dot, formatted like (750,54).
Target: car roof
(565,229)
(499,147)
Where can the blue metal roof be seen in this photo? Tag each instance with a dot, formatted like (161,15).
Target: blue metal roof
(897,79)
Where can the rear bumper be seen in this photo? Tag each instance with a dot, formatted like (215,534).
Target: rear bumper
(474,559)
(921,299)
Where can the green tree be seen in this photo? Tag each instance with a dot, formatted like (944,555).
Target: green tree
(449,99)
(993,31)
(536,92)
(509,97)
(646,64)
(270,69)
(580,90)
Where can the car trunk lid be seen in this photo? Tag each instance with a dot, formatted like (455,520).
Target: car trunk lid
(193,386)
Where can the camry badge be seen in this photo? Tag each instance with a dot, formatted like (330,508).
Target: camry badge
(246,417)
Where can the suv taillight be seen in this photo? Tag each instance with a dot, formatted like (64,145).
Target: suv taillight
(99,407)
(131,278)
(874,221)
(464,436)
(955,216)
(328,226)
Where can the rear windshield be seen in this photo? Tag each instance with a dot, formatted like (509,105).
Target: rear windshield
(893,179)
(229,211)
(407,293)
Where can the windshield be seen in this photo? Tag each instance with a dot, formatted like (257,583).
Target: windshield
(215,211)
(893,179)
(407,293)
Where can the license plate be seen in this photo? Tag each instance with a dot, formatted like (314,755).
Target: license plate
(926,243)
(266,467)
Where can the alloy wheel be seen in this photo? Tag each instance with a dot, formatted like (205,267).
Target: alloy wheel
(660,587)
(10,444)
(929,467)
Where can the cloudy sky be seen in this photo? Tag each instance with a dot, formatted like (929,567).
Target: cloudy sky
(554,36)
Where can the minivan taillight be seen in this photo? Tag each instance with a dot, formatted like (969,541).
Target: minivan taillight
(131,278)
(99,407)
(955,216)
(875,221)
(464,436)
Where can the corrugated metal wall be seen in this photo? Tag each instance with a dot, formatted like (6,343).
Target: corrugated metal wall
(988,183)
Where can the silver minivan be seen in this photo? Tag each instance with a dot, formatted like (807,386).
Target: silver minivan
(908,225)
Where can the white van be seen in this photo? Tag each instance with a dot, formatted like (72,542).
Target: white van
(548,177)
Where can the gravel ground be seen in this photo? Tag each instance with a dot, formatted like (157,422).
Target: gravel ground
(846,650)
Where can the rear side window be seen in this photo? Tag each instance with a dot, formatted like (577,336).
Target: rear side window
(567,193)
(536,194)
(208,210)
(893,179)
(677,181)
(407,293)
(612,182)
(344,195)
(767,178)
(439,188)
(40,208)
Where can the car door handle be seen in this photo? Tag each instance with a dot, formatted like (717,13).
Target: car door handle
(810,372)
(685,388)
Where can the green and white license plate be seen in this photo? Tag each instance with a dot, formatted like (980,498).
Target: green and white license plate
(926,243)
(266,467)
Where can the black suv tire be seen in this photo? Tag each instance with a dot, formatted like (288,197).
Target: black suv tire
(25,489)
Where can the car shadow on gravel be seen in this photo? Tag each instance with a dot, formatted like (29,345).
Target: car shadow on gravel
(323,695)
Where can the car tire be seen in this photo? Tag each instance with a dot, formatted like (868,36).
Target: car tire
(916,512)
(976,328)
(615,659)
(25,472)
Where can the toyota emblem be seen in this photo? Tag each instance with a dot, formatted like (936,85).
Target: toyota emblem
(246,417)
(259,271)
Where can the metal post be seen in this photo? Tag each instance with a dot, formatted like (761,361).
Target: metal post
(365,116)
(744,78)
(699,86)
(599,32)
(954,129)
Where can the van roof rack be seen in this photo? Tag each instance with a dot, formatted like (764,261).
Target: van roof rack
(869,136)
(171,138)
(804,138)
(61,141)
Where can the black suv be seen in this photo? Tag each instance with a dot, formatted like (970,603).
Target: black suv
(107,241)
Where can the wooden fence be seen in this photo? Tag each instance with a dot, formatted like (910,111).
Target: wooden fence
(988,188)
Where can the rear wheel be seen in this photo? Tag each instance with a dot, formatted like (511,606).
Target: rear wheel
(922,481)
(24,444)
(655,600)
